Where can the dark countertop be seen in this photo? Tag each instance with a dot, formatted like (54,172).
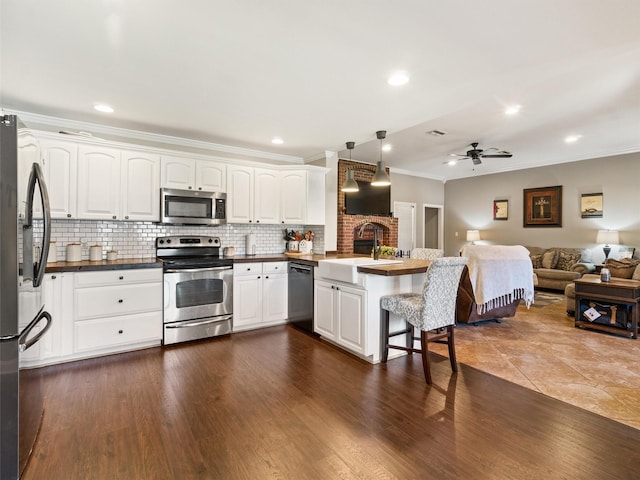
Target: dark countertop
(87,266)
(407,267)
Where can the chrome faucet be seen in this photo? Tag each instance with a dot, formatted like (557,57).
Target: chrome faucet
(376,248)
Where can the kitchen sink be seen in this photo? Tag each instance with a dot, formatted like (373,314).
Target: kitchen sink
(346,269)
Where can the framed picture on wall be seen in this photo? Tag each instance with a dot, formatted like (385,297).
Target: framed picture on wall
(501,209)
(591,205)
(543,207)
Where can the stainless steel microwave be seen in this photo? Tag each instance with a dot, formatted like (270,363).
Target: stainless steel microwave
(187,207)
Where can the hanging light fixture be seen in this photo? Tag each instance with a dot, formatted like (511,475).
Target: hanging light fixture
(350,184)
(380,178)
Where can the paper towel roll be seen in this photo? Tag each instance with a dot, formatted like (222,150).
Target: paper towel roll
(251,244)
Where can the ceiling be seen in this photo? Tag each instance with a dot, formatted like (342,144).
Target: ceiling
(314,73)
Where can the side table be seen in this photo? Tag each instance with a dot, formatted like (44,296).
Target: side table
(619,293)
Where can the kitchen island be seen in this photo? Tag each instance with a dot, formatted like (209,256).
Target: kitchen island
(347,307)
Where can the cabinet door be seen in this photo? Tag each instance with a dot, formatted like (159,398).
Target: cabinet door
(240,194)
(351,318)
(275,297)
(211,176)
(140,198)
(324,321)
(98,182)
(57,296)
(178,172)
(28,153)
(316,193)
(247,300)
(294,196)
(61,165)
(267,198)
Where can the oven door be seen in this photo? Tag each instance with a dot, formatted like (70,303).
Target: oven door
(190,294)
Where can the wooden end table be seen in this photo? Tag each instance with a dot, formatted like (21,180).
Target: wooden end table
(618,292)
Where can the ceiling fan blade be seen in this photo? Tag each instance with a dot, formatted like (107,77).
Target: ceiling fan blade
(498,155)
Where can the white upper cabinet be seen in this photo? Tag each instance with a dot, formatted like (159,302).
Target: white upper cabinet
(240,195)
(140,181)
(193,174)
(61,167)
(294,196)
(267,199)
(98,182)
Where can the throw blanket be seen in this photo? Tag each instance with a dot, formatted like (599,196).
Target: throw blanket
(499,275)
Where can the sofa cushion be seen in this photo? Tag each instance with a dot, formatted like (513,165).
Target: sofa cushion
(566,260)
(624,268)
(549,259)
(536,260)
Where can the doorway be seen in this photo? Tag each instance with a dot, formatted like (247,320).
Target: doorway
(433,226)
(405,212)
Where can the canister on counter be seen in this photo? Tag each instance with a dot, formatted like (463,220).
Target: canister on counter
(74,252)
(95,253)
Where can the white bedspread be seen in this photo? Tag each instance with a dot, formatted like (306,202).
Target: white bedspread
(499,275)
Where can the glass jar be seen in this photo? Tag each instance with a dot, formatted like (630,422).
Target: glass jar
(605,275)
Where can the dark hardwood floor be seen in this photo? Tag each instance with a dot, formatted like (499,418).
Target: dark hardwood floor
(277,403)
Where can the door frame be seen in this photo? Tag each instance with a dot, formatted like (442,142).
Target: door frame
(440,209)
(413,223)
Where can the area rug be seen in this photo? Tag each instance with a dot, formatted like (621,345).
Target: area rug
(544,299)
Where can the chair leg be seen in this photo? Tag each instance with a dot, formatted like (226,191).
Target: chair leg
(385,335)
(426,364)
(452,348)
(409,337)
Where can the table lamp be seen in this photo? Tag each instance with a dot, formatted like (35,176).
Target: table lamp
(473,236)
(607,237)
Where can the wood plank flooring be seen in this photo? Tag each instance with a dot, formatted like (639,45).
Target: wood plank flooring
(279,404)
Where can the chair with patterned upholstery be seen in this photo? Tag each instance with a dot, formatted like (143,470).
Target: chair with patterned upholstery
(433,309)
(427,253)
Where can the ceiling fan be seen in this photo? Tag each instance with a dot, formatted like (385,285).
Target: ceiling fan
(477,154)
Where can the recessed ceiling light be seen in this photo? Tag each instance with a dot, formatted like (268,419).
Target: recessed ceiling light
(398,78)
(572,138)
(512,109)
(277,141)
(101,107)
(386,147)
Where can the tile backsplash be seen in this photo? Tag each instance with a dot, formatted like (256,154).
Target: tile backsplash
(137,239)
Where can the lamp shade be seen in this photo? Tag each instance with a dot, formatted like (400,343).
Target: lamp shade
(608,236)
(473,235)
(380,178)
(350,184)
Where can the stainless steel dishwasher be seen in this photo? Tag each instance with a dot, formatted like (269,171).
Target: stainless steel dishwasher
(301,295)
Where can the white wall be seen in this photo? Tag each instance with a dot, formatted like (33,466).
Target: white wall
(469,205)
(418,190)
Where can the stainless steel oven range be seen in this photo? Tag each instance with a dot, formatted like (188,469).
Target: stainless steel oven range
(198,288)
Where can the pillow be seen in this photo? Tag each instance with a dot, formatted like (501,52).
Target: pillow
(636,273)
(536,261)
(567,260)
(549,259)
(622,268)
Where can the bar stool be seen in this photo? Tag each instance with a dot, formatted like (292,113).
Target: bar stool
(433,309)
(427,253)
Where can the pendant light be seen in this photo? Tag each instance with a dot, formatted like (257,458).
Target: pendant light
(350,184)
(380,178)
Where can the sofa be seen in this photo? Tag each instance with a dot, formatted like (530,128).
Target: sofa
(627,269)
(555,268)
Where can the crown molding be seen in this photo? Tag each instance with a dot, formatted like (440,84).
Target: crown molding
(152,137)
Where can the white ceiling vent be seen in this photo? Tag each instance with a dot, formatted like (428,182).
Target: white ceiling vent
(437,133)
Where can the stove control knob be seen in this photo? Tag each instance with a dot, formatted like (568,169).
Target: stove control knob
(211,240)
(169,241)
(160,242)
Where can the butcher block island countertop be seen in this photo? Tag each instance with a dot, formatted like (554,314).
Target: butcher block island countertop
(407,266)
(87,266)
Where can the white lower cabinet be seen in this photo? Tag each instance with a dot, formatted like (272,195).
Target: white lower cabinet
(260,294)
(117,310)
(340,315)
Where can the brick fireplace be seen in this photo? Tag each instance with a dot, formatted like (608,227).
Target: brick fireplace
(349,225)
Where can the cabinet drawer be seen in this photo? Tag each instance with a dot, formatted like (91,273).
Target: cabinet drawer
(247,268)
(110,332)
(118,277)
(274,267)
(117,300)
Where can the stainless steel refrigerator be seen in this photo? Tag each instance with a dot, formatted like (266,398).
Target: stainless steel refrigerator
(24,206)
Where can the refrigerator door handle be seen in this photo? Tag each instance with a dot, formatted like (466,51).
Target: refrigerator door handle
(35,271)
(24,342)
